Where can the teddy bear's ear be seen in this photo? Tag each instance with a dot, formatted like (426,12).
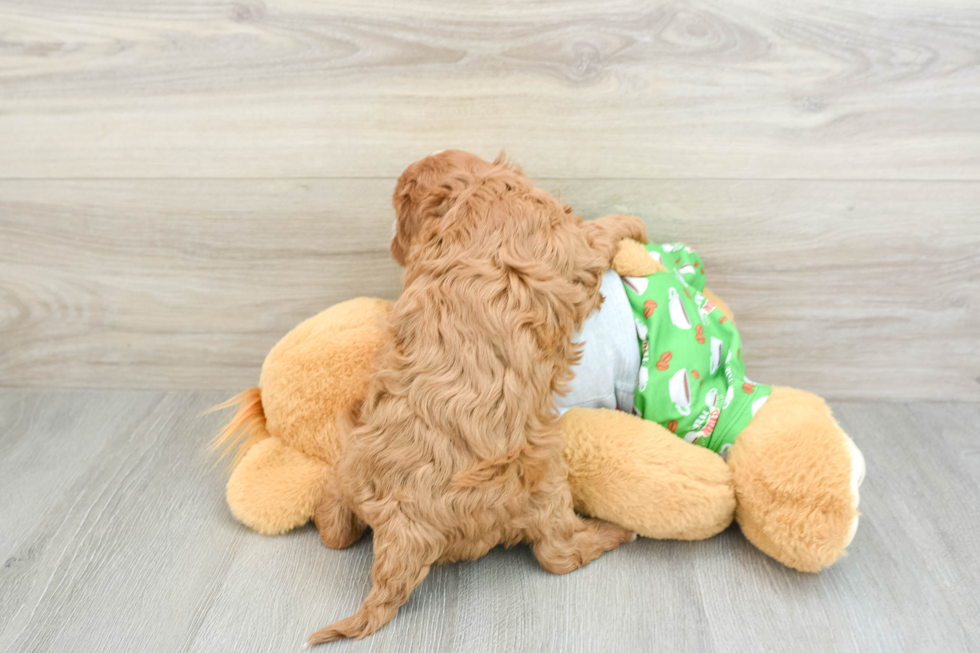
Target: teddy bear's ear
(632,260)
(276,488)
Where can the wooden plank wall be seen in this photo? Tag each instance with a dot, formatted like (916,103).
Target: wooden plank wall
(183,181)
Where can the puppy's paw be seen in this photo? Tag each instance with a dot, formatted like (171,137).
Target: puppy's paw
(612,535)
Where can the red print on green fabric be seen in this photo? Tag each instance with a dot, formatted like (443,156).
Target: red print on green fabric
(692,379)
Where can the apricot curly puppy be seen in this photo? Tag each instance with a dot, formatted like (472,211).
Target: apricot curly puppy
(456,448)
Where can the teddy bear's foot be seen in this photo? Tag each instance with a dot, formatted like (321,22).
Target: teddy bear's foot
(796,479)
(275,488)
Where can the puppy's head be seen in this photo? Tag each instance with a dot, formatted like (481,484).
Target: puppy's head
(427,190)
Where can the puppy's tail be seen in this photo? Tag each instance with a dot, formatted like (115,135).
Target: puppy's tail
(399,566)
(246,428)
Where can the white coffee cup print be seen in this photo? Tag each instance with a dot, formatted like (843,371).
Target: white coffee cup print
(711,399)
(641,329)
(680,392)
(642,378)
(656,257)
(678,314)
(638,284)
(728,397)
(758,403)
(716,348)
(686,269)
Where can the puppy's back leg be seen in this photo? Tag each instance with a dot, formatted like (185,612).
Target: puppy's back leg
(563,541)
(400,564)
(338,525)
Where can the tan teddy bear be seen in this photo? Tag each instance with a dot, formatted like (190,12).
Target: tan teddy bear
(790,479)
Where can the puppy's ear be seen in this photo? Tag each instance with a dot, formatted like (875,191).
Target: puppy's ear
(397,251)
(416,201)
(427,190)
(419,198)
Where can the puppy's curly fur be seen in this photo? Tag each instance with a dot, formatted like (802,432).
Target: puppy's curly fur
(456,448)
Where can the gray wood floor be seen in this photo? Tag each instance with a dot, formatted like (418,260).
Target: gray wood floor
(114,536)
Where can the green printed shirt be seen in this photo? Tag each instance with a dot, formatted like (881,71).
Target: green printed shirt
(692,378)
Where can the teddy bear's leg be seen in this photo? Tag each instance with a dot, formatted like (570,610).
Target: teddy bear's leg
(636,473)
(275,488)
(796,481)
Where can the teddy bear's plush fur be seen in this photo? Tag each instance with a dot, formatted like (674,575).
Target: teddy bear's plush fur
(286,437)
(791,479)
(285,430)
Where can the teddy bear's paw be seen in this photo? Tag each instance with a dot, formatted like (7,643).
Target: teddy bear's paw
(797,478)
(858,470)
(275,488)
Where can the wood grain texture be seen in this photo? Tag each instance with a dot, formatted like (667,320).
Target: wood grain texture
(114,535)
(858,289)
(302,88)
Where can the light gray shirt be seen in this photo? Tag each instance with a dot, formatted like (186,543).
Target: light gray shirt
(606,375)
